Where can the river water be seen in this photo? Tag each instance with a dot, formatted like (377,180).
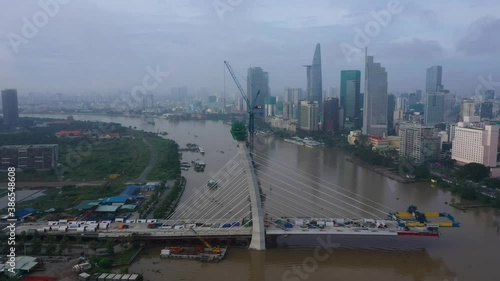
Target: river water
(471,252)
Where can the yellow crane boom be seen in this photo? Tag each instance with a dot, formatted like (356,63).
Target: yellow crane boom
(205,242)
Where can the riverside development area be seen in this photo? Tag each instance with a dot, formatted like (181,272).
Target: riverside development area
(465,253)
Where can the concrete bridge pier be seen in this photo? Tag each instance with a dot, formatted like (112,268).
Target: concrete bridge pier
(258,241)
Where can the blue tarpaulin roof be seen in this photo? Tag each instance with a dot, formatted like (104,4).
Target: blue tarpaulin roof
(24,212)
(130,190)
(114,199)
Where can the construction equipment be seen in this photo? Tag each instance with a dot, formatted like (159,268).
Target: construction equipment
(215,250)
(250,107)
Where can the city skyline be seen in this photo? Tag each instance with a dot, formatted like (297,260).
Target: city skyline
(191,40)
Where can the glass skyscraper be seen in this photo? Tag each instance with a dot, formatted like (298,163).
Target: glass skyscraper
(375,99)
(433,81)
(350,99)
(10,108)
(314,80)
(257,80)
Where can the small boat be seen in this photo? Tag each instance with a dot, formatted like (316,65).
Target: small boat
(202,151)
(185,168)
(434,181)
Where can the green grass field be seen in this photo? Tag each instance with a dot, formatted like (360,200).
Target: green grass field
(126,157)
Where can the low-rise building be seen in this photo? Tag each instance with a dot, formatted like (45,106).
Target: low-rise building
(29,157)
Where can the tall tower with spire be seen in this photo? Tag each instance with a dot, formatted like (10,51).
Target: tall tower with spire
(314,80)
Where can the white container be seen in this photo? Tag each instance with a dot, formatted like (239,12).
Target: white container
(299,222)
(119,220)
(141,221)
(90,229)
(151,221)
(81,229)
(340,221)
(63,221)
(53,223)
(90,222)
(62,229)
(103,225)
(130,221)
(179,227)
(321,223)
(329,223)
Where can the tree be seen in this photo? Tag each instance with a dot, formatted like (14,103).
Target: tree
(422,172)
(492,183)
(64,244)
(474,172)
(50,249)
(110,246)
(497,200)
(93,245)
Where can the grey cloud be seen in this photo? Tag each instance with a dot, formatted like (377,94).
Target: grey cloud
(415,49)
(481,38)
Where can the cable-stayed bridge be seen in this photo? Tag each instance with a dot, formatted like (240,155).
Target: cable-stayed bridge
(261,197)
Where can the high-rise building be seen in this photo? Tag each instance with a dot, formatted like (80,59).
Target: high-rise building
(333,92)
(212,99)
(419,143)
(451,111)
(147,101)
(402,103)
(487,110)
(314,79)
(179,93)
(10,108)
(433,111)
(418,95)
(308,116)
(489,94)
(391,107)
(270,106)
(257,80)
(350,100)
(468,109)
(475,142)
(291,103)
(375,99)
(331,115)
(433,81)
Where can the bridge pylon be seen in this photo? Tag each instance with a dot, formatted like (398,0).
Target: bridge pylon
(258,232)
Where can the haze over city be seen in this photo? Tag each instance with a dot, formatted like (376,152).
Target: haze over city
(105,46)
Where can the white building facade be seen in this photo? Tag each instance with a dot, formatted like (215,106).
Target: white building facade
(475,142)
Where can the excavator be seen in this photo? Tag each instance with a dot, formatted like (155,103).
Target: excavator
(215,250)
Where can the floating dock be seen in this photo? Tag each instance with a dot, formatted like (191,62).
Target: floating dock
(193,253)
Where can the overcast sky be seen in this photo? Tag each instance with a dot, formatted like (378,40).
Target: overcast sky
(100,46)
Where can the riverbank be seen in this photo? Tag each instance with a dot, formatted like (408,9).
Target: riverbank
(381,170)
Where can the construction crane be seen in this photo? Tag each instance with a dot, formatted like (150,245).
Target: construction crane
(250,107)
(215,250)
